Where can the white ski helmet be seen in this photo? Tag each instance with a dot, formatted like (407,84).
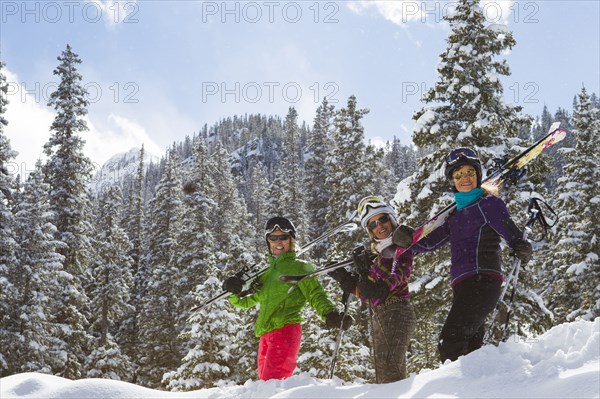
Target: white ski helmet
(375,205)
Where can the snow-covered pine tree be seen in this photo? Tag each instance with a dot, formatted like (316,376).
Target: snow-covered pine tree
(214,337)
(233,236)
(401,159)
(353,176)
(467,110)
(576,266)
(67,171)
(316,170)
(7,239)
(128,335)
(35,276)
(110,298)
(198,281)
(290,173)
(160,347)
(349,176)
(260,209)
(196,258)
(230,220)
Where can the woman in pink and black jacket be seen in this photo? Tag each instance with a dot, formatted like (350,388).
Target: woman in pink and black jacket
(381,279)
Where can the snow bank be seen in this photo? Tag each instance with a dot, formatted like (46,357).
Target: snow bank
(562,363)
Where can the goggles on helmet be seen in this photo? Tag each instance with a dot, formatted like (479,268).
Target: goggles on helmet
(461,154)
(279,223)
(373,202)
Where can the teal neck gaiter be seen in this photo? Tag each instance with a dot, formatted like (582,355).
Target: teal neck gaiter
(465,199)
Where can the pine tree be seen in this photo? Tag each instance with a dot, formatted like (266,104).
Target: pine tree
(575,291)
(128,335)
(260,210)
(196,259)
(316,170)
(111,271)
(214,338)
(467,110)
(292,200)
(233,235)
(35,276)
(160,348)
(350,174)
(401,160)
(67,172)
(7,239)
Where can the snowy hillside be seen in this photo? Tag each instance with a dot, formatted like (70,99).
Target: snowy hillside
(118,168)
(562,363)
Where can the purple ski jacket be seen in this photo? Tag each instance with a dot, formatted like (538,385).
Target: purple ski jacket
(474,234)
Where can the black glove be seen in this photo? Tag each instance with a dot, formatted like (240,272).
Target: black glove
(373,289)
(346,279)
(333,319)
(403,236)
(233,284)
(522,250)
(363,259)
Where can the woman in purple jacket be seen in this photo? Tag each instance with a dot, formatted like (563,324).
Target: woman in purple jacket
(381,279)
(473,232)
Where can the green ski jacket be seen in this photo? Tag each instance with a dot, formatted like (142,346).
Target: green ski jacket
(277,306)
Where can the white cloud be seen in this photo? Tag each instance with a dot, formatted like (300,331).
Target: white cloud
(29,123)
(28,129)
(121,135)
(403,12)
(116,12)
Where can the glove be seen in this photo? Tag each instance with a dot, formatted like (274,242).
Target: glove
(403,236)
(373,289)
(333,319)
(346,279)
(362,259)
(233,284)
(522,250)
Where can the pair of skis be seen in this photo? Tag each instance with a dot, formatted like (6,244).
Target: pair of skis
(347,226)
(496,178)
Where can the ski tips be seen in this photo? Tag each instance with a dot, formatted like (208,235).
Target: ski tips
(349,227)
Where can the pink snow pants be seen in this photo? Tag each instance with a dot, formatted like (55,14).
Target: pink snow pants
(277,352)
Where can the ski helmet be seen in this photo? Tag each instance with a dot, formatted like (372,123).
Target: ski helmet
(280,223)
(374,205)
(459,157)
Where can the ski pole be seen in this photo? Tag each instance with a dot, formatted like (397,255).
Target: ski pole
(513,276)
(338,341)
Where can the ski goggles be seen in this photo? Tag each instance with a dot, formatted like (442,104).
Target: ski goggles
(385,218)
(279,223)
(278,237)
(369,202)
(461,154)
(459,174)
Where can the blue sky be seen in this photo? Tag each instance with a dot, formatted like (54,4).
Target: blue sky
(157,71)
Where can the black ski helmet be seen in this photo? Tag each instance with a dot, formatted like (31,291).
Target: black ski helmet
(280,223)
(459,157)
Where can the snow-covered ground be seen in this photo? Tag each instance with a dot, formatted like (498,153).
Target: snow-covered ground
(562,363)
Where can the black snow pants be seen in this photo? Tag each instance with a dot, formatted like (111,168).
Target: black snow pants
(473,300)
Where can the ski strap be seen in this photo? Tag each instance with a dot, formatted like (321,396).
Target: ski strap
(536,210)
